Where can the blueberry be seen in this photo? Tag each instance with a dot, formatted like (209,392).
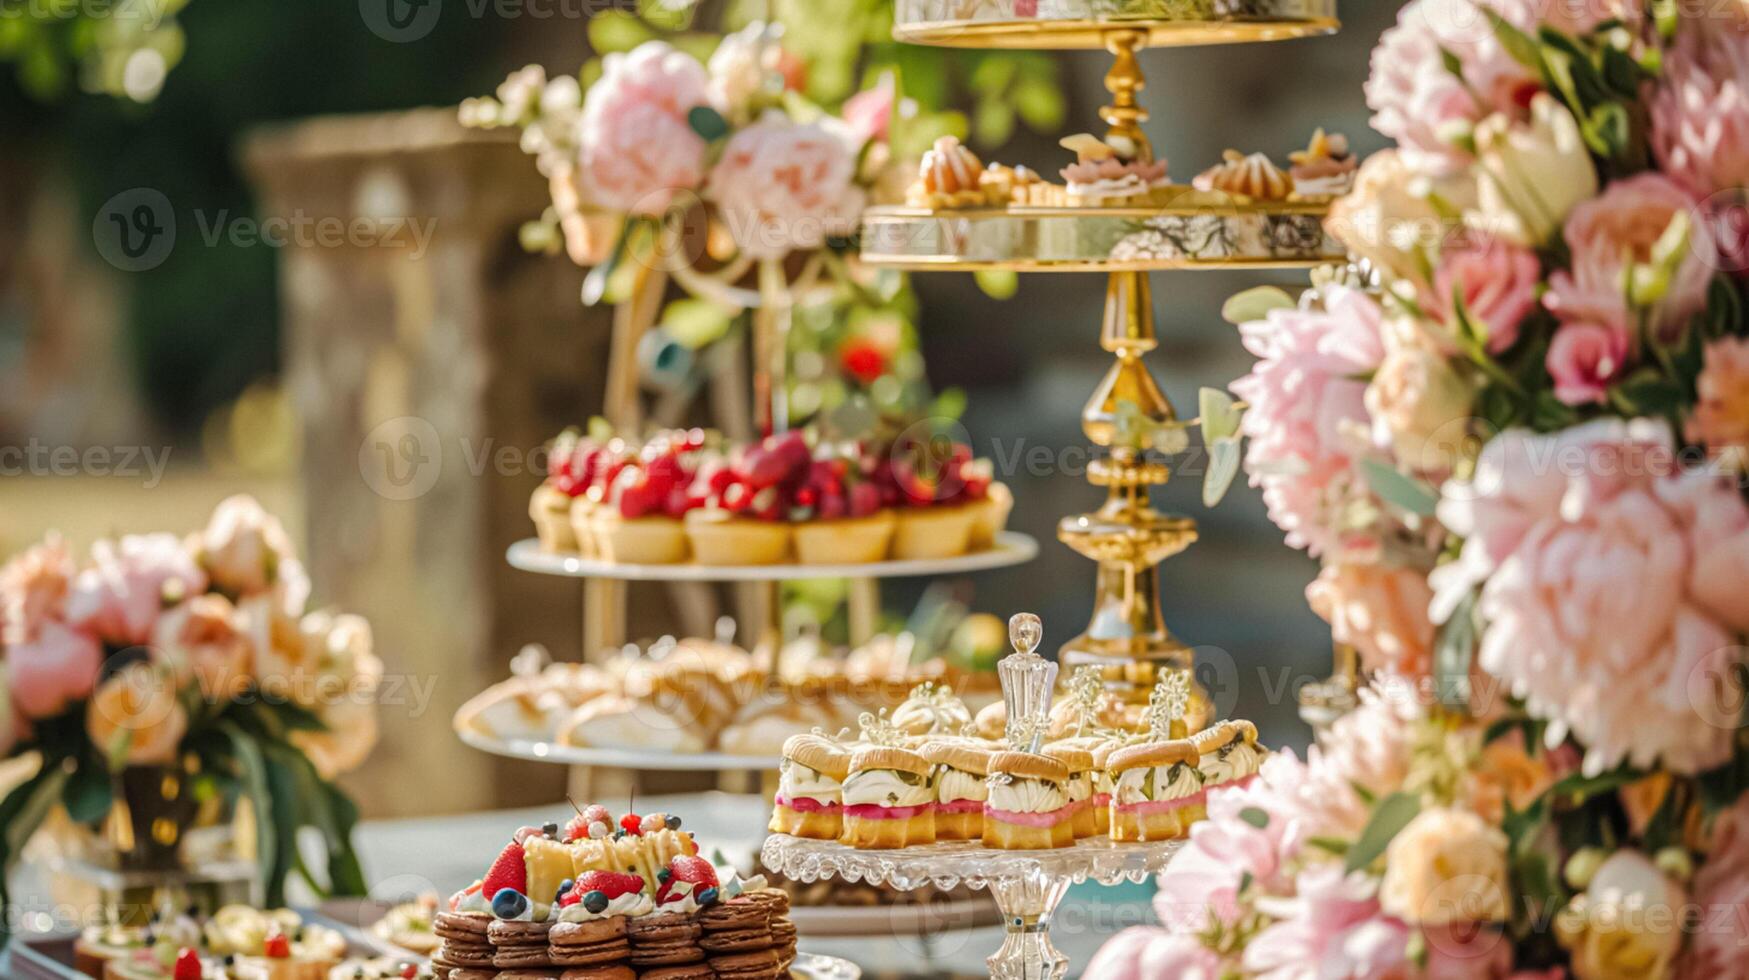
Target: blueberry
(663,875)
(673,822)
(550,829)
(619,833)
(595,902)
(509,903)
(564,888)
(707,897)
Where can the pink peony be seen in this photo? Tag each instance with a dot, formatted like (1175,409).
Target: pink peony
(1721,414)
(1145,953)
(1718,948)
(1497,281)
(1700,109)
(1308,419)
(1330,928)
(1584,359)
(120,597)
(1370,748)
(1621,226)
(783,186)
(243,546)
(204,640)
(1381,611)
(869,113)
(1203,879)
(636,149)
(1561,531)
(33,589)
(54,669)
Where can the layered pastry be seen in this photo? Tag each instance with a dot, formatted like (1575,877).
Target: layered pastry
(1324,170)
(1229,754)
(931,710)
(1028,808)
(962,765)
(949,177)
(1156,791)
(1079,762)
(810,789)
(888,799)
(1249,178)
(1103,177)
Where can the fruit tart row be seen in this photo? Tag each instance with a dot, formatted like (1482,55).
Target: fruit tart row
(696,695)
(683,496)
(1109,173)
(607,899)
(235,943)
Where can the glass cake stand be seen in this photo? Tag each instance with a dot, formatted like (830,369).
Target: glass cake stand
(1027,885)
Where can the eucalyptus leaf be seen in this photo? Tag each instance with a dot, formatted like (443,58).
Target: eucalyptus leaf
(1255,816)
(1255,304)
(1392,814)
(1220,414)
(1453,650)
(1224,456)
(1399,489)
(708,123)
(1521,46)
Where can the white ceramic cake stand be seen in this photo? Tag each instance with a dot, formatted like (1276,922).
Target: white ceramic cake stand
(1027,885)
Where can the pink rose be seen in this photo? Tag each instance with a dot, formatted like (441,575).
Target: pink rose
(1585,359)
(129,584)
(52,671)
(1381,611)
(1621,226)
(204,641)
(33,589)
(1497,282)
(243,546)
(1144,953)
(1308,420)
(636,149)
(1700,109)
(1719,948)
(1558,530)
(783,186)
(869,113)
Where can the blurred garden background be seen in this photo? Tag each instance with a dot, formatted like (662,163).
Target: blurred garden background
(176,325)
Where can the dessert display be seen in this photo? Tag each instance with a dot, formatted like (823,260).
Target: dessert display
(606,897)
(1324,170)
(685,496)
(235,943)
(1028,808)
(696,695)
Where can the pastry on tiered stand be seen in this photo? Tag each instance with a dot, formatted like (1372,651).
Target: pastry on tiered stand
(810,790)
(1101,177)
(1246,178)
(1324,170)
(888,799)
(950,176)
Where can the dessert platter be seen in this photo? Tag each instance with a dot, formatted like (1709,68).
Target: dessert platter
(1087,23)
(607,898)
(1055,800)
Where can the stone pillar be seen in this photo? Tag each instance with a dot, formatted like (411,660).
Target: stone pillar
(428,358)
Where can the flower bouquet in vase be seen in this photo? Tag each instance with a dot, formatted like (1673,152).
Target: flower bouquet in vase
(1516,436)
(165,684)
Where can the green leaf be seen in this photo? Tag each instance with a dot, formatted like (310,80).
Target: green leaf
(1255,304)
(1224,456)
(696,323)
(1453,650)
(1579,788)
(1392,814)
(1399,489)
(613,31)
(254,770)
(1724,308)
(1255,816)
(998,283)
(1220,414)
(88,794)
(1335,846)
(708,123)
(1521,46)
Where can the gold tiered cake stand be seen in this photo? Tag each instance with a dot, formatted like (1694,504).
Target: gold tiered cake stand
(1127,636)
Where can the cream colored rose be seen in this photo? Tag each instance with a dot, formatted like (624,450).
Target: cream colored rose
(1628,923)
(1447,866)
(135,717)
(1398,219)
(1420,407)
(1531,174)
(204,640)
(242,546)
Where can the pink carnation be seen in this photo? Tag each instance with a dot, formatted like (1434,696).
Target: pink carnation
(1586,546)
(1622,225)
(1584,359)
(1700,109)
(1308,418)
(129,584)
(1497,281)
(1719,948)
(784,187)
(636,149)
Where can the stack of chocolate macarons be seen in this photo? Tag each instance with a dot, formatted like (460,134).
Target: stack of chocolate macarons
(749,937)
(466,952)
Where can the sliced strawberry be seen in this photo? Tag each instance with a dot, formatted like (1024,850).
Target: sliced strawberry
(188,966)
(509,871)
(613,884)
(695,872)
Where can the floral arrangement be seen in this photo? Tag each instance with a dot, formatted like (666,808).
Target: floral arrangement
(190,654)
(1516,436)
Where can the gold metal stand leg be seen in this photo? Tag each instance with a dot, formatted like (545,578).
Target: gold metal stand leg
(1127,636)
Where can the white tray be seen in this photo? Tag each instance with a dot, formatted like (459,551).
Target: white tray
(647,760)
(1011,548)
